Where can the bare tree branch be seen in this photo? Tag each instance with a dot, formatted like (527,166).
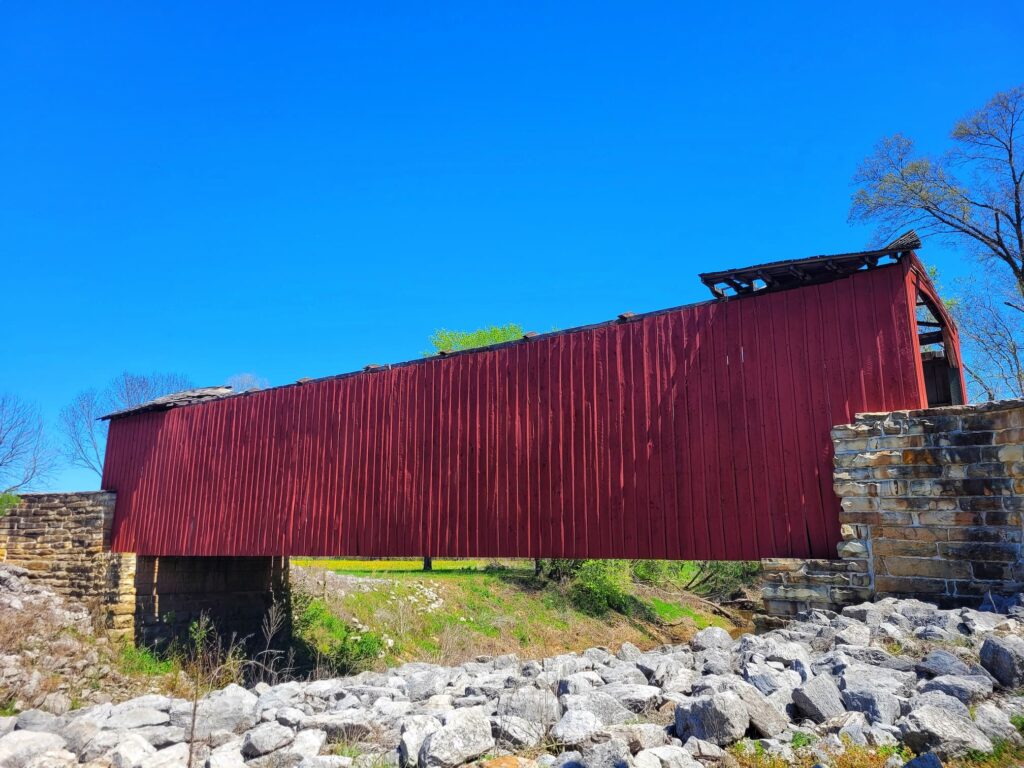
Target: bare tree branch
(25,456)
(85,436)
(973,196)
(247,382)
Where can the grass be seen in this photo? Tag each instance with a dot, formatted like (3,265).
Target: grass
(752,755)
(465,608)
(132,660)
(1005,755)
(669,612)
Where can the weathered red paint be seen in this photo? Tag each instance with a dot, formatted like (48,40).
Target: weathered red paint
(698,432)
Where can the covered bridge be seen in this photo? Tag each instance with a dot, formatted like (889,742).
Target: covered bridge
(698,432)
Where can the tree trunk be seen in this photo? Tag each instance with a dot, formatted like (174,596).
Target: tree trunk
(428,563)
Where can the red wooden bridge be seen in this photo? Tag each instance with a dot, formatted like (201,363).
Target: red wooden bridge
(700,432)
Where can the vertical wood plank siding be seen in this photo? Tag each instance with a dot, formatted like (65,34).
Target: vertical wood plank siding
(700,432)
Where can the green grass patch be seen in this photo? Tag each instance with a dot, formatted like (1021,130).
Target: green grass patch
(133,660)
(327,640)
(7,502)
(674,612)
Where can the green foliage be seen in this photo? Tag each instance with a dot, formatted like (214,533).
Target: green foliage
(133,660)
(600,586)
(1018,722)
(663,573)
(900,750)
(443,340)
(326,639)
(7,502)
(801,739)
(721,579)
(559,569)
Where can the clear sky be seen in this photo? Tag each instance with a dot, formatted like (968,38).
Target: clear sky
(296,189)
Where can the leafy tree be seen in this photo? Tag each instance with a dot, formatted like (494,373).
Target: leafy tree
(973,196)
(85,436)
(443,340)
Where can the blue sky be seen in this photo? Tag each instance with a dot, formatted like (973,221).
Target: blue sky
(301,189)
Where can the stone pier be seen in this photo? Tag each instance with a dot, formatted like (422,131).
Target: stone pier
(931,508)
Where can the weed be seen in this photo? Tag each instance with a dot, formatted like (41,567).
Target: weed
(1018,722)
(1004,755)
(132,660)
(331,642)
(801,739)
(345,749)
(7,501)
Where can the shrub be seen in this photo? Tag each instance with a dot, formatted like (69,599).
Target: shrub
(602,585)
(328,640)
(558,569)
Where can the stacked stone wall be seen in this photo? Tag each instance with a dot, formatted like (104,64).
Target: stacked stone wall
(63,541)
(932,504)
(234,592)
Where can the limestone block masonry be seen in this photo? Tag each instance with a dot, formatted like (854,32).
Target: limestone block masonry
(63,540)
(932,502)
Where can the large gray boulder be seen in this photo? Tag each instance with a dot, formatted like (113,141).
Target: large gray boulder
(865,677)
(711,637)
(613,753)
(665,757)
(429,682)
(130,751)
(349,725)
(136,717)
(938,663)
(576,728)
(636,698)
(941,701)
(265,738)
(930,728)
(579,682)
(19,748)
(308,743)
(607,709)
(720,718)
(230,709)
(819,699)
(1003,658)
(413,730)
(765,719)
(640,736)
(881,707)
(161,736)
(517,732)
(38,720)
(994,722)
(535,704)
(465,736)
(967,688)
(175,756)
